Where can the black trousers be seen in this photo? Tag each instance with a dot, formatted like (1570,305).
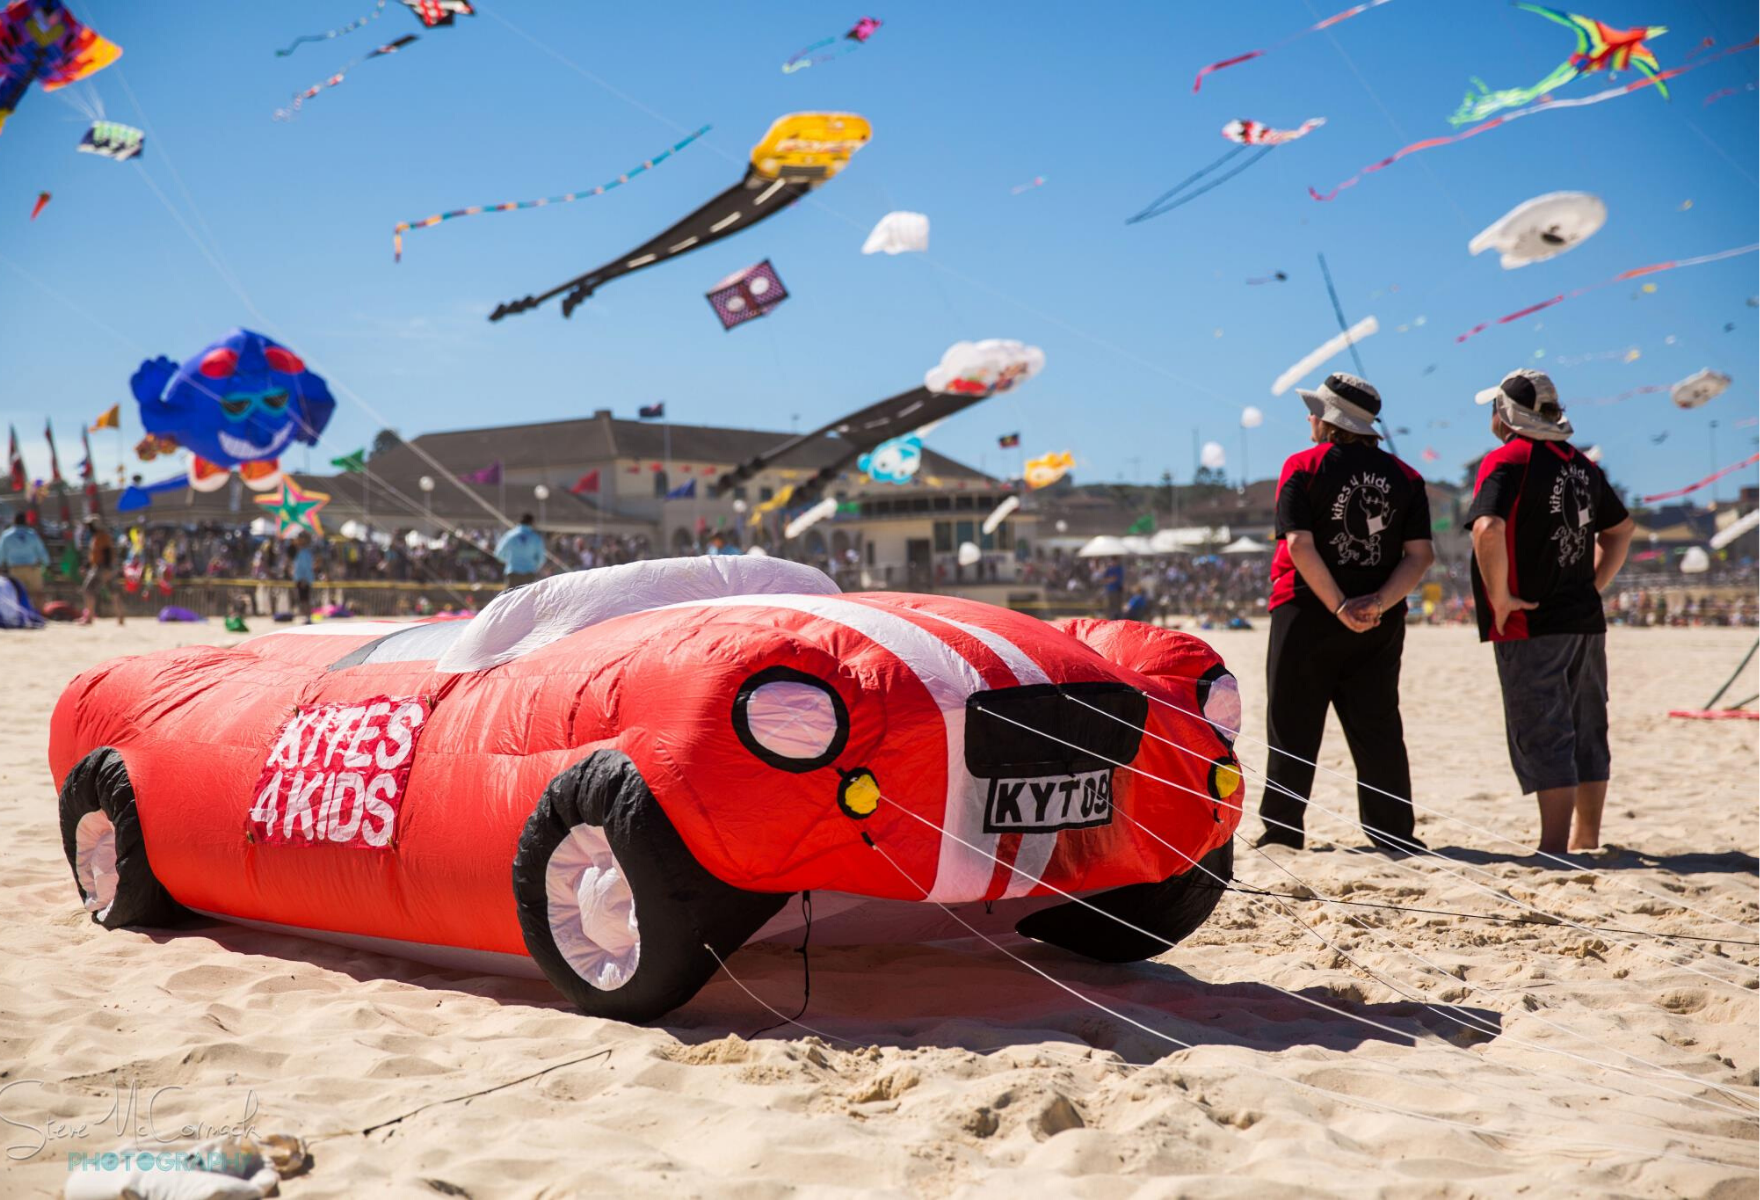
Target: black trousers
(1315,661)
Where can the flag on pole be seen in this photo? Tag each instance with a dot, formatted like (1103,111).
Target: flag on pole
(652,412)
(88,474)
(490,474)
(1144,524)
(587,483)
(55,480)
(684,491)
(110,419)
(353,463)
(16,479)
(1009,441)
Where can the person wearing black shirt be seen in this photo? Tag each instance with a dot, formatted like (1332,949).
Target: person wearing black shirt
(1549,535)
(1353,528)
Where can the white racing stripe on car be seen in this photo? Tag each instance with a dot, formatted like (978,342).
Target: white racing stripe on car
(342,628)
(963,873)
(1036,848)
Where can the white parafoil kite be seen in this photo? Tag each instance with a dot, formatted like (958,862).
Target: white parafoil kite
(1593,454)
(1695,561)
(898,233)
(999,514)
(969,554)
(1701,387)
(984,368)
(1251,417)
(1542,228)
(1213,457)
(1322,352)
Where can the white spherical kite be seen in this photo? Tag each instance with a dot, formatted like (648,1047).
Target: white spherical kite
(1213,457)
(897,233)
(1251,417)
(1542,228)
(969,554)
(1701,387)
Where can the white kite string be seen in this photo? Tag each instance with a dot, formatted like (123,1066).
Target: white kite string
(1560,860)
(1279,1079)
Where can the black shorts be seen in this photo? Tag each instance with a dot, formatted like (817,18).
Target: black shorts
(302,594)
(1555,709)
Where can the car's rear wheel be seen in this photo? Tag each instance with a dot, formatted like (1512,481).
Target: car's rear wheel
(613,906)
(1162,914)
(101,834)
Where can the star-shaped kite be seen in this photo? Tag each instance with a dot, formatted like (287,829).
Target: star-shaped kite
(294,510)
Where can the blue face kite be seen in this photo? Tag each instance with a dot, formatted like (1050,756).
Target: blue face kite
(244,399)
(893,461)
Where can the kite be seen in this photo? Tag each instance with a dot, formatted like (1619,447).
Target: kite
(811,517)
(1599,47)
(43,199)
(1274,277)
(41,42)
(1251,133)
(120,142)
(747,294)
(1430,454)
(1705,482)
(1324,351)
(431,13)
(515,205)
(1038,181)
(757,735)
(898,233)
(1502,119)
(1542,228)
(299,99)
(999,514)
(295,510)
(798,153)
(969,555)
(238,404)
(1047,469)
(1251,417)
(1659,438)
(1334,19)
(1634,273)
(858,36)
(1245,135)
(1726,93)
(1213,457)
(1701,387)
(896,460)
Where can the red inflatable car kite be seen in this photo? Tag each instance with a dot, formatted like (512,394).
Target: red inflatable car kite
(610,772)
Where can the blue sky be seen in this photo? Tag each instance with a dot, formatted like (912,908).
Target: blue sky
(1150,332)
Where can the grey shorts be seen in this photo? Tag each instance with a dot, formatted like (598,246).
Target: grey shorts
(1555,709)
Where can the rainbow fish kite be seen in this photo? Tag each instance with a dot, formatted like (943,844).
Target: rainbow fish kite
(514,205)
(40,42)
(1599,47)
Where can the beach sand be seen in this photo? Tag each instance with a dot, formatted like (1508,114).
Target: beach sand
(1571,1062)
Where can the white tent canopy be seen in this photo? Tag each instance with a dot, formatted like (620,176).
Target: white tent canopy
(1245,545)
(1189,537)
(1104,546)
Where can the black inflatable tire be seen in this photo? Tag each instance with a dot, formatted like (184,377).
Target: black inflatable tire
(1170,910)
(99,784)
(679,906)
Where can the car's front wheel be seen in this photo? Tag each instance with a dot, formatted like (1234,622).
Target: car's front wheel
(613,906)
(101,834)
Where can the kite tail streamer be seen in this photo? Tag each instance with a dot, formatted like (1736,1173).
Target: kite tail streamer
(1709,479)
(1726,93)
(1250,55)
(1166,203)
(339,31)
(300,98)
(1623,276)
(515,205)
(1545,106)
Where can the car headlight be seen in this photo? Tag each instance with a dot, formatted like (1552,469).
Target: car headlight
(790,720)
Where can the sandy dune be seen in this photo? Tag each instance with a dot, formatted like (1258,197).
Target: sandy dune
(1454,1056)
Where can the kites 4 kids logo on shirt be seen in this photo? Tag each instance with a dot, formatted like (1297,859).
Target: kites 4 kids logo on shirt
(1361,510)
(1572,504)
(337,774)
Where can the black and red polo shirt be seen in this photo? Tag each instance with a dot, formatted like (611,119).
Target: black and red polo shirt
(1553,502)
(1361,504)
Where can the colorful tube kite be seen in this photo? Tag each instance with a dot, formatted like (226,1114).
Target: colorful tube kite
(857,37)
(41,43)
(675,749)
(404,227)
(1705,482)
(1250,55)
(431,13)
(300,98)
(1613,93)
(1634,273)
(799,153)
(1245,135)
(1599,47)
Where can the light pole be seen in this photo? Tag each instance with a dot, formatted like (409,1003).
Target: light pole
(426,483)
(542,492)
(1714,461)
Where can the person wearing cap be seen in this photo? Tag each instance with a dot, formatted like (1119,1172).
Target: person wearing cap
(1353,529)
(1549,535)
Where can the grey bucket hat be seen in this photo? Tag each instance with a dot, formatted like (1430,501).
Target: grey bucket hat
(1527,401)
(1345,401)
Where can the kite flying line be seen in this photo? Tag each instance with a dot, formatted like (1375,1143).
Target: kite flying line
(1543,106)
(514,205)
